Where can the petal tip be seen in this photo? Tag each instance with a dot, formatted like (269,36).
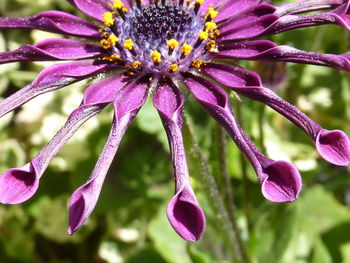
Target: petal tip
(282,183)
(186,218)
(334,147)
(77,212)
(17,185)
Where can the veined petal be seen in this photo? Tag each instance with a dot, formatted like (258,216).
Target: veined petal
(19,184)
(92,8)
(51,78)
(244,18)
(131,98)
(84,199)
(256,24)
(183,211)
(263,50)
(55,22)
(52,49)
(280,181)
(104,91)
(233,8)
(307,6)
(230,75)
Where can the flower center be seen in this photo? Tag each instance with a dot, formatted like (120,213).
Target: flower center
(158,23)
(161,38)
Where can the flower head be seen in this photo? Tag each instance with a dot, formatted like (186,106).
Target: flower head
(163,47)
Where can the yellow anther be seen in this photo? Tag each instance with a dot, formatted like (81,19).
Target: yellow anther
(211,46)
(210,26)
(203,35)
(156,56)
(173,43)
(129,44)
(173,67)
(197,63)
(112,39)
(118,4)
(112,58)
(214,34)
(103,33)
(199,2)
(104,44)
(186,49)
(137,65)
(108,19)
(211,14)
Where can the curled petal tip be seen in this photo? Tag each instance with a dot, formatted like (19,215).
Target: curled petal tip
(186,217)
(17,185)
(282,182)
(334,147)
(77,212)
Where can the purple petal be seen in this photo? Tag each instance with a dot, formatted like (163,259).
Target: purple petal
(92,8)
(263,50)
(231,76)
(307,6)
(104,91)
(51,78)
(183,211)
(234,8)
(55,22)
(334,146)
(169,101)
(84,199)
(131,97)
(247,22)
(280,181)
(19,184)
(268,22)
(185,215)
(52,49)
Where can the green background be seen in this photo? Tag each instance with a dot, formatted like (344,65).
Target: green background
(129,223)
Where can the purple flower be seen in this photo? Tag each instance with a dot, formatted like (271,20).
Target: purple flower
(160,48)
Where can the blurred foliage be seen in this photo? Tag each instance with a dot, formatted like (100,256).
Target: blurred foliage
(129,223)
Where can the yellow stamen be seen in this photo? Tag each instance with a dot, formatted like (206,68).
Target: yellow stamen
(118,4)
(211,14)
(104,44)
(211,46)
(203,35)
(156,56)
(137,65)
(186,49)
(210,26)
(173,43)
(108,19)
(129,44)
(112,39)
(112,58)
(199,2)
(173,67)
(197,63)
